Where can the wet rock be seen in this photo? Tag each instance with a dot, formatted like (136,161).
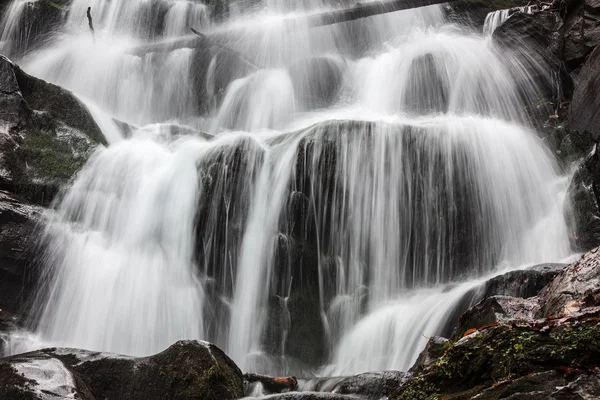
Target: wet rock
(502,353)
(537,39)
(317,80)
(434,349)
(584,114)
(495,310)
(46,134)
(583,196)
(545,385)
(370,385)
(522,283)
(40,376)
(582,29)
(186,370)
(214,67)
(18,230)
(540,346)
(427,91)
(575,288)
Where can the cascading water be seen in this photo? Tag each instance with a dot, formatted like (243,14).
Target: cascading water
(497,18)
(356,169)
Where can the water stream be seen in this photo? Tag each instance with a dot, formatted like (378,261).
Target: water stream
(362,176)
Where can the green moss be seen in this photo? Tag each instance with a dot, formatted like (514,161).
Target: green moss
(419,389)
(49,158)
(506,352)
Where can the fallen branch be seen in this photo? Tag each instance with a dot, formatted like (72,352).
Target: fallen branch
(273,384)
(90,22)
(311,20)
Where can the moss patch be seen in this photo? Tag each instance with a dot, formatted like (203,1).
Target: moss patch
(506,352)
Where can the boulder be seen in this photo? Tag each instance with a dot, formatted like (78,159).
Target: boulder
(582,29)
(19,222)
(428,89)
(186,370)
(495,310)
(484,359)
(513,348)
(537,40)
(584,206)
(46,134)
(545,385)
(522,283)
(317,80)
(433,350)
(586,98)
(575,288)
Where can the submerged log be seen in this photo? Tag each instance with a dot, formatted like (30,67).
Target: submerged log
(298,22)
(273,384)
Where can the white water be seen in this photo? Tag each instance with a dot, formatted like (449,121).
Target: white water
(496,18)
(416,163)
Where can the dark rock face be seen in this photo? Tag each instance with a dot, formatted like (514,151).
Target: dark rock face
(576,287)
(434,349)
(428,91)
(186,370)
(537,39)
(583,193)
(317,80)
(523,283)
(48,134)
(18,229)
(536,348)
(35,25)
(584,114)
(495,310)
(582,29)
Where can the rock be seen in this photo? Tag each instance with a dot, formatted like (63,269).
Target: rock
(428,90)
(186,370)
(584,204)
(18,230)
(575,288)
(46,134)
(522,283)
(370,385)
(434,349)
(545,385)
(586,100)
(537,40)
(317,80)
(214,67)
(501,353)
(541,346)
(582,29)
(496,310)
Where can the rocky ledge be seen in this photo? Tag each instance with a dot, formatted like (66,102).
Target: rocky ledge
(546,346)
(186,370)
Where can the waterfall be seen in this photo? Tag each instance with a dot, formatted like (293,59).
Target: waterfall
(356,183)
(496,18)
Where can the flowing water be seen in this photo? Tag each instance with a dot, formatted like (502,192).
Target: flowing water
(351,183)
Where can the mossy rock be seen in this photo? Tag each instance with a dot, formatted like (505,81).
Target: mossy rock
(186,370)
(506,352)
